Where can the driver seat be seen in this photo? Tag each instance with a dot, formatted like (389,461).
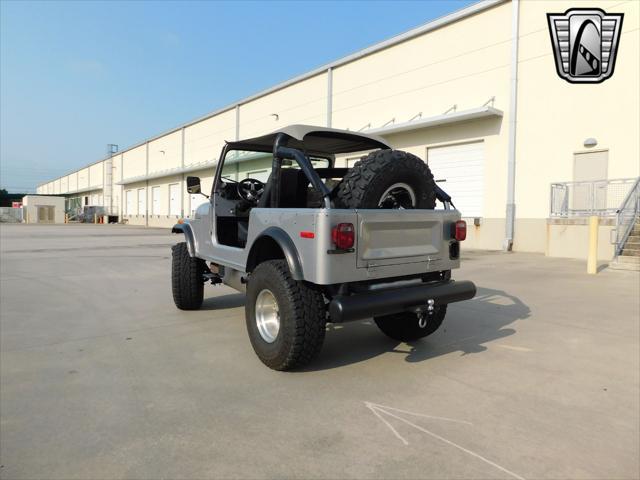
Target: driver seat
(265,198)
(293,190)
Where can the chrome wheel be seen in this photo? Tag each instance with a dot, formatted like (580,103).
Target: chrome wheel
(267,316)
(398,196)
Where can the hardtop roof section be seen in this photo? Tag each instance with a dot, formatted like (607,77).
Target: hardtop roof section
(309,138)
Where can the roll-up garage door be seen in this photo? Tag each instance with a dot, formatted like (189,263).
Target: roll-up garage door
(459,171)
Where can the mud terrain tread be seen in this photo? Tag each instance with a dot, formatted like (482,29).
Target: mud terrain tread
(371,175)
(187,283)
(303,337)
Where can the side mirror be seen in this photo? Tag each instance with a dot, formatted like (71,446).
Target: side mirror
(193,185)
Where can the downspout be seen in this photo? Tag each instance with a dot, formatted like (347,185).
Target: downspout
(146,190)
(513,112)
(182,176)
(122,194)
(238,138)
(329,96)
(237,122)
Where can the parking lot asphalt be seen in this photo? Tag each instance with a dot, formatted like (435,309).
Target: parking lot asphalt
(102,377)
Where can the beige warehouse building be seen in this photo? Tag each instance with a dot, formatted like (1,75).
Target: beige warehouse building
(475,94)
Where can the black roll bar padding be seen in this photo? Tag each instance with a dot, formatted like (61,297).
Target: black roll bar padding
(280,142)
(442,195)
(305,165)
(395,300)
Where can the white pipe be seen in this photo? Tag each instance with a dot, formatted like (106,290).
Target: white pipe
(510,216)
(181,177)
(146,190)
(329,95)
(237,122)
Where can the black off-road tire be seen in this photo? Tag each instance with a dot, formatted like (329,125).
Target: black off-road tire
(404,326)
(367,181)
(302,314)
(187,282)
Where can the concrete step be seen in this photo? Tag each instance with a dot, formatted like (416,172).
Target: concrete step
(629,259)
(617,265)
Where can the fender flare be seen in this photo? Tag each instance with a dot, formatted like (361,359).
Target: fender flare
(286,245)
(186,229)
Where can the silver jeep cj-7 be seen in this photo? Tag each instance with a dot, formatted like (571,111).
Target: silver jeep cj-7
(316,244)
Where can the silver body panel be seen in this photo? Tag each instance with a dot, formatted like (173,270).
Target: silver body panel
(389,243)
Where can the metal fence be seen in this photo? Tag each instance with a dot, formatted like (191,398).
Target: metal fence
(627,215)
(10,215)
(602,197)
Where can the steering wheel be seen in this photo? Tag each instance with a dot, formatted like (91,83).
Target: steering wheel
(250,189)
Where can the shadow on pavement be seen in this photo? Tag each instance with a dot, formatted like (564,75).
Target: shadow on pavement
(467,327)
(223,302)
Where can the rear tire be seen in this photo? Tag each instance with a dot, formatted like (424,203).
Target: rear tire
(404,326)
(187,282)
(299,312)
(372,181)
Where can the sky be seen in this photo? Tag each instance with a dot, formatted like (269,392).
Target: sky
(76,76)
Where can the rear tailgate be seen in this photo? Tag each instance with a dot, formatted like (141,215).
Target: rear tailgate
(393,237)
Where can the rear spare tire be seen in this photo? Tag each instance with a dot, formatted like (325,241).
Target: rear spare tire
(285,318)
(388,179)
(187,281)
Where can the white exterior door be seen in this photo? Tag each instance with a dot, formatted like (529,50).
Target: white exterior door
(155,201)
(129,204)
(142,201)
(174,199)
(459,171)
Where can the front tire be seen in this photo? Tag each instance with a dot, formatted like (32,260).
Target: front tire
(405,327)
(285,318)
(187,282)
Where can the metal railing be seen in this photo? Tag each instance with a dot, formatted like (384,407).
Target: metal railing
(86,214)
(11,215)
(579,199)
(627,216)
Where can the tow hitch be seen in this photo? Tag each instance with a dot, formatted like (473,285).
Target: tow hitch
(423,316)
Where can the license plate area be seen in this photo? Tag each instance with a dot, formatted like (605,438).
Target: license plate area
(398,236)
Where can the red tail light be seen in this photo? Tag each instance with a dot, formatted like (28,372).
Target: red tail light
(343,236)
(460,231)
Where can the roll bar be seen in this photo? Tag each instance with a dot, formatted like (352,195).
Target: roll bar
(281,151)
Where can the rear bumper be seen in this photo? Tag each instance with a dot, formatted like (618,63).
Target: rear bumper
(387,302)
